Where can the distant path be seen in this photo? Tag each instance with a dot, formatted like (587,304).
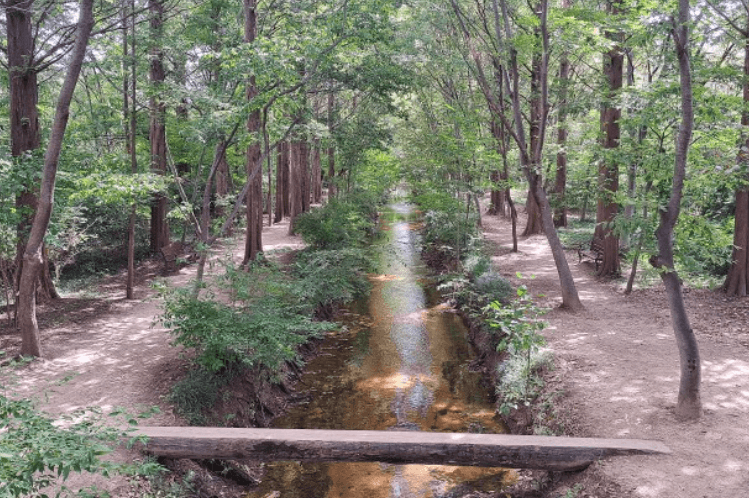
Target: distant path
(618,364)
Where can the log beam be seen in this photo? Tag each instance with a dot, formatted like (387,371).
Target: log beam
(397,447)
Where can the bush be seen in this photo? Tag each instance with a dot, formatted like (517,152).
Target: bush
(329,278)
(450,235)
(263,325)
(493,287)
(337,225)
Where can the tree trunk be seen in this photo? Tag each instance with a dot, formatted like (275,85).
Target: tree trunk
(295,184)
(316,173)
(222,176)
(608,171)
(304,173)
(530,162)
(253,240)
(497,195)
(282,182)
(689,404)
(534,224)
(24,123)
(129,114)
(331,148)
(560,181)
(33,259)
(157,130)
(737,280)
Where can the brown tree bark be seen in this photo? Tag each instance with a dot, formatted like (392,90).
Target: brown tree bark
(737,280)
(497,194)
(534,223)
(295,183)
(157,129)
(32,256)
(331,149)
(282,182)
(608,170)
(130,66)
(560,181)
(223,184)
(530,161)
(316,174)
(24,123)
(689,405)
(253,239)
(304,175)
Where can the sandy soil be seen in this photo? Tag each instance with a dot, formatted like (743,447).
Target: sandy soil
(618,365)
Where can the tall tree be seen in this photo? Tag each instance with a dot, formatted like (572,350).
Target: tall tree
(689,405)
(737,280)
(32,256)
(608,170)
(23,67)
(130,73)
(253,240)
(560,180)
(530,159)
(157,130)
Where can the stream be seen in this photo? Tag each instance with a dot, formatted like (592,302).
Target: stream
(402,363)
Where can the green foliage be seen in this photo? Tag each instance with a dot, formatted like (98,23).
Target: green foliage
(493,287)
(67,233)
(37,451)
(261,326)
(703,247)
(329,278)
(450,234)
(198,392)
(518,327)
(339,224)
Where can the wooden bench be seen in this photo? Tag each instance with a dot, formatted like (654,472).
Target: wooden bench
(594,252)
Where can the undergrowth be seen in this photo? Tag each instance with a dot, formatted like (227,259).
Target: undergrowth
(39,451)
(508,316)
(257,318)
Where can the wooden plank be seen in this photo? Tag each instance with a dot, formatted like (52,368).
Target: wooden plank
(397,447)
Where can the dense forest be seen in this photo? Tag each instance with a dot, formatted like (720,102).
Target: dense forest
(138,128)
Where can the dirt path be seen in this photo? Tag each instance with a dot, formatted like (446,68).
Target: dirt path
(619,367)
(113,353)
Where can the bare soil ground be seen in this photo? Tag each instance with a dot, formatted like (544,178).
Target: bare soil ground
(618,367)
(105,351)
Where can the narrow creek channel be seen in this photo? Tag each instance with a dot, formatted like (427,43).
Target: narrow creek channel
(402,365)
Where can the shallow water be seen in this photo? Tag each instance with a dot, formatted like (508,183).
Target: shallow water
(402,364)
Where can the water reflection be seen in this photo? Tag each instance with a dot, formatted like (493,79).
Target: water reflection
(402,366)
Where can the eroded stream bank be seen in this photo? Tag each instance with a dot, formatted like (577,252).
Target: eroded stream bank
(403,363)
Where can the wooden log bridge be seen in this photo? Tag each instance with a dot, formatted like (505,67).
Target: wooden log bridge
(397,447)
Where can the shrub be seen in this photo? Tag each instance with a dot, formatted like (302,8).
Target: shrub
(451,235)
(329,278)
(493,287)
(262,325)
(337,225)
